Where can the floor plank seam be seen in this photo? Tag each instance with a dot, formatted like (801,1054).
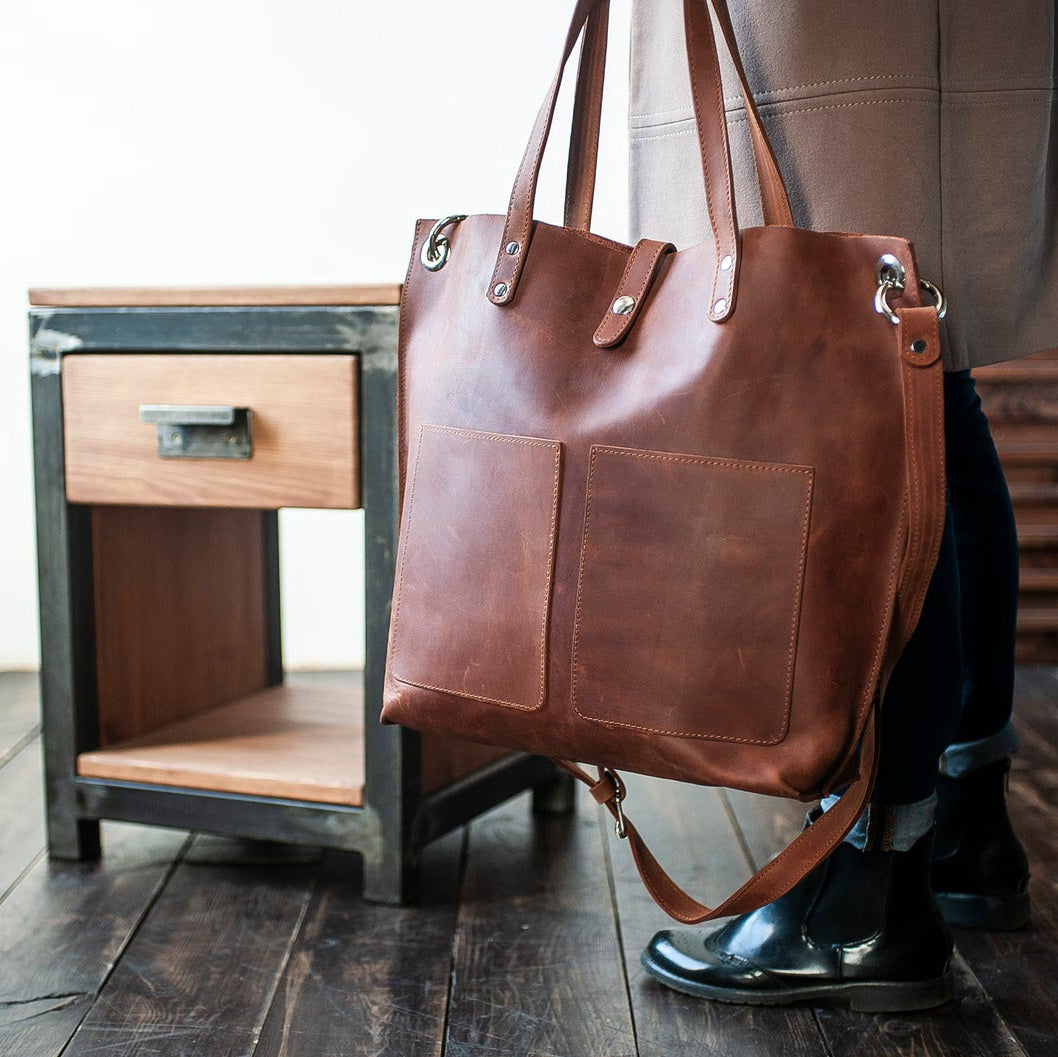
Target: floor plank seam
(284,962)
(611,886)
(464,854)
(27,739)
(729,809)
(986,995)
(133,931)
(828,1050)
(22,876)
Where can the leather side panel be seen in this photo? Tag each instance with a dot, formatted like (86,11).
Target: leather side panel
(689,595)
(476,565)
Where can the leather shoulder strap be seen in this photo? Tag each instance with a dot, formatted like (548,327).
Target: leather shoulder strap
(919,348)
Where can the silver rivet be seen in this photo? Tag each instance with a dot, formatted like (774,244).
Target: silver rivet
(727,262)
(512,248)
(720,307)
(919,346)
(500,290)
(624,304)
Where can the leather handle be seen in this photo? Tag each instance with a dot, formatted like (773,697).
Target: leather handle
(584,143)
(707,95)
(918,347)
(587,116)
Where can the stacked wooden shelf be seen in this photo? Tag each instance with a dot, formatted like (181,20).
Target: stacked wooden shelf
(1021,401)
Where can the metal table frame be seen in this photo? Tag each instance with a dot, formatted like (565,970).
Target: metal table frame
(396,819)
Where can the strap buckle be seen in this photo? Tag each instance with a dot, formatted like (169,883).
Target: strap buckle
(617,798)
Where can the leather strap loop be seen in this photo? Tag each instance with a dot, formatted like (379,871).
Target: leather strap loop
(639,274)
(924,458)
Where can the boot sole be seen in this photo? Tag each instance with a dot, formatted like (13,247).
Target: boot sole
(875,997)
(1000,913)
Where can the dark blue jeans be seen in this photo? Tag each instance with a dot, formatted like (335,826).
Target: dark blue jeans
(955,680)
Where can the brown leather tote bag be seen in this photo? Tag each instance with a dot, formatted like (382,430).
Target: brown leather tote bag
(673,512)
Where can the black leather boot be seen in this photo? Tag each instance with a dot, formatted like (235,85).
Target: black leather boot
(861,930)
(980,873)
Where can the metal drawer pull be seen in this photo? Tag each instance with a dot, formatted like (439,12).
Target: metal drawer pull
(201,431)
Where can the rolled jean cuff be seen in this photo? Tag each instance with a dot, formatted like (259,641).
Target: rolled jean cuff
(889,827)
(967,756)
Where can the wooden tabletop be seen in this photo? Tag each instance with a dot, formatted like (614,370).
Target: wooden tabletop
(214,296)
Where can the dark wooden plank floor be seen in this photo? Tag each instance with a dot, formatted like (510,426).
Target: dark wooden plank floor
(527,943)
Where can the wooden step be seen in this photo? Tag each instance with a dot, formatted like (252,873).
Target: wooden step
(1037,580)
(1033,493)
(1028,452)
(1037,618)
(1036,537)
(1033,402)
(1018,372)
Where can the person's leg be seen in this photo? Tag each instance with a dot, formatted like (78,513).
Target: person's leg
(921,710)
(980,872)
(987,548)
(863,928)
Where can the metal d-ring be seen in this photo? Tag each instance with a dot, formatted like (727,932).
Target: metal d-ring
(436,248)
(938,298)
(881,304)
(891,279)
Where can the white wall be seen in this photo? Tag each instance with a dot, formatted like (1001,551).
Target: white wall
(229,141)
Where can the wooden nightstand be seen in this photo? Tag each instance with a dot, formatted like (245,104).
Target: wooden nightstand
(169,426)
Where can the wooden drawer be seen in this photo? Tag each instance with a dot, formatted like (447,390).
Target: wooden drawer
(304,423)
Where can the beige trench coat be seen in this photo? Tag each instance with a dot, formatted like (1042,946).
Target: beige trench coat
(929,119)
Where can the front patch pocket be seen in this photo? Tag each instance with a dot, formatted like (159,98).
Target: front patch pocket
(689,596)
(475,566)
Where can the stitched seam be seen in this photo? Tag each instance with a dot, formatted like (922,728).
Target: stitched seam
(505,439)
(539,140)
(398,592)
(914,532)
(894,566)
(838,106)
(773,177)
(741,116)
(593,159)
(579,107)
(703,460)
(798,595)
(402,440)
(694,461)
(705,171)
(729,286)
(796,88)
(938,416)
(667,135)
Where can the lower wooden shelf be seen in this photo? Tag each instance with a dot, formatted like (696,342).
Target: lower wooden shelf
(300,741)
(297,742)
